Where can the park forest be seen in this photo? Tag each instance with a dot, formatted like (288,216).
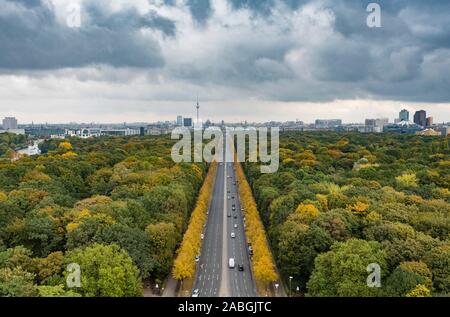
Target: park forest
(343,201)
(119,207)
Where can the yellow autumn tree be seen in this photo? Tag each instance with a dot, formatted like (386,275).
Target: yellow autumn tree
(184,264)
(308,210)
(65,145)
(263,263)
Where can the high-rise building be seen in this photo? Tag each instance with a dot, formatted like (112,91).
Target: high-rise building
(180,121)
(404,115)
(187,122)
(10,123)
(429,121)
(420,118)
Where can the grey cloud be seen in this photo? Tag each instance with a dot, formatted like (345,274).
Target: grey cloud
(31,38)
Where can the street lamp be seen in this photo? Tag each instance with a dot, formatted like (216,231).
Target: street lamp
(276,289)
(290,285)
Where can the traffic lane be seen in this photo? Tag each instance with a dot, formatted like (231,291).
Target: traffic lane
(245,280)
(208,279)
(240,281)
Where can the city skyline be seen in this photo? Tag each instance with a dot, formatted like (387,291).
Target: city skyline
(309,117)
(262,61)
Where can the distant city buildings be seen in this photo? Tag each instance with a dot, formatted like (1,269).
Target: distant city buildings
(375,125)
(86,133)
(10,125)
(179,121)
(420,118)
(187,122)
(405,127)
(328,124)
(429,121)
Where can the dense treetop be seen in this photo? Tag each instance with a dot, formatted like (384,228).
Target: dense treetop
(121,201)
(341,201)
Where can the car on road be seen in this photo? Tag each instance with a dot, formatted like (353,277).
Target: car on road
(229,215)
(235,225)
(235,216)
(197,258)
(233,235)
(241,267)
(232,197)
(202,236)
(231,263)
(229,197)
(195,293)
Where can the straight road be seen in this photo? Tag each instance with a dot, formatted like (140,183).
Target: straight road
(214,277)
(209,268)
(242,283)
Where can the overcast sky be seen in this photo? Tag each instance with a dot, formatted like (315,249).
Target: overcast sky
(255,60)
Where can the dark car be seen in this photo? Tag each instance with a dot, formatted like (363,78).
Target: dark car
(235,216)
(241,267)
(229,215)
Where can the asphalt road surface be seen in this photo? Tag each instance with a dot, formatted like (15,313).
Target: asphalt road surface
(214,278)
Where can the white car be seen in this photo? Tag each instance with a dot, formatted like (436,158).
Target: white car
(231,263)
(235,225)
(202,236)
(197,258)
(233,235)
(195,293)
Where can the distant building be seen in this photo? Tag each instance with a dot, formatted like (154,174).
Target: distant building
(328,124)
(420,118)
(445,131)
(403,115)
(428,132)
(14,131)
(179,121)
(187,122)
(375,125)
(402,127)
(10,123)
(429,121)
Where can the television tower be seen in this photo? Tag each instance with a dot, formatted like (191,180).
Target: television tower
(198,111)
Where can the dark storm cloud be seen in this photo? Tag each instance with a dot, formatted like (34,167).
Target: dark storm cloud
(31,38)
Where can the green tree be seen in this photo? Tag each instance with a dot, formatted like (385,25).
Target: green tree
(343,270)
(17,283)
(106,271)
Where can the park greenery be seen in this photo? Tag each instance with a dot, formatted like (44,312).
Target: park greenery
(116,206)
(341,201)
(11,142)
